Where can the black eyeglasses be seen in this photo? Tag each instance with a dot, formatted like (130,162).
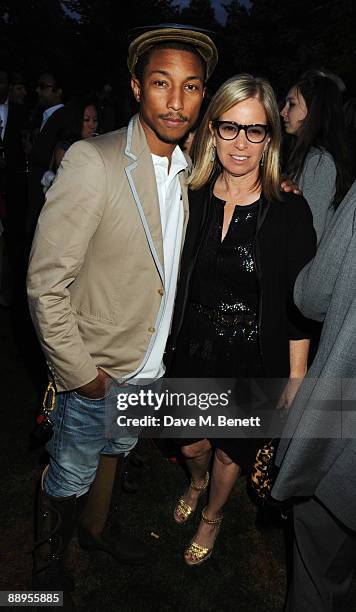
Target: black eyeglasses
(229,130)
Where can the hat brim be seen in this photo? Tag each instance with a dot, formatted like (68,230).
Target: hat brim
(201,42)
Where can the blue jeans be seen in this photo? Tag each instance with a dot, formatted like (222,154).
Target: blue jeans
(78,440)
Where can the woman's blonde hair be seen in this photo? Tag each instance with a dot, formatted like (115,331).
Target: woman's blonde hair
(237,89)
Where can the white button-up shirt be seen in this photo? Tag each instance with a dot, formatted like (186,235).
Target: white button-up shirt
(4,111)
(172,216)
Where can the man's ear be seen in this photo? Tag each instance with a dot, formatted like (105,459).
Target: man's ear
(136,88)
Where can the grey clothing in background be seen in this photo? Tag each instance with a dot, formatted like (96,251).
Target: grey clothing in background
(317,453)
(317,183)
(312,462)
(324,553)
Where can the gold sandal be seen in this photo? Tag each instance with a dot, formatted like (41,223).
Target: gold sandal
(202,553)
(183,507)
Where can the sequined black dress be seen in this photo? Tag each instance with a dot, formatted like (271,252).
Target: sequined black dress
(219,337)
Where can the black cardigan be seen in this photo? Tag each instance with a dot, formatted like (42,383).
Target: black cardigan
(285,242)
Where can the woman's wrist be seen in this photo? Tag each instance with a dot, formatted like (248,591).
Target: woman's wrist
(298,373)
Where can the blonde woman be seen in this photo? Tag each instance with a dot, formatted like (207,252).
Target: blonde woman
(246,242)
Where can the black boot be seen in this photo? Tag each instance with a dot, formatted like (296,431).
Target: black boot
(91,531)
(137,458)
(55,523)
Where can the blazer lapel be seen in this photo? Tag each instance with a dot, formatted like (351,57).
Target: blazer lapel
(141,177)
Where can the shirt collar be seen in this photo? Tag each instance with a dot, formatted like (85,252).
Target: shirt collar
(178,161)
(48,112)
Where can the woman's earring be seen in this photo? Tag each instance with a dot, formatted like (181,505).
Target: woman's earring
(212,153)
(262,160)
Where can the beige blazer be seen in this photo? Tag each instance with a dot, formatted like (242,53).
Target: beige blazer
(96,273)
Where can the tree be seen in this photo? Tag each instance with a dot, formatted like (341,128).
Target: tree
(201,14)
(34,35)
(235,54)
(290,37)
(103,29)
(88,40)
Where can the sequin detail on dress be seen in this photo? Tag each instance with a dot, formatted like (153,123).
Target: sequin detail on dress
(224,285)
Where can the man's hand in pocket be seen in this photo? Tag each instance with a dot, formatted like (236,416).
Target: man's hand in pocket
(97,388)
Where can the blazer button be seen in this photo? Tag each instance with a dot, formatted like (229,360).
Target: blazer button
(160,291)
(151,329)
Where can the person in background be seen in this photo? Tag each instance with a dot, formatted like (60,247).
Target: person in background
(246,242)
(317,453)
(12,121)
(81,121)
(318,157)
(50,93)
(50,100)
(13,184)
(17,89)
